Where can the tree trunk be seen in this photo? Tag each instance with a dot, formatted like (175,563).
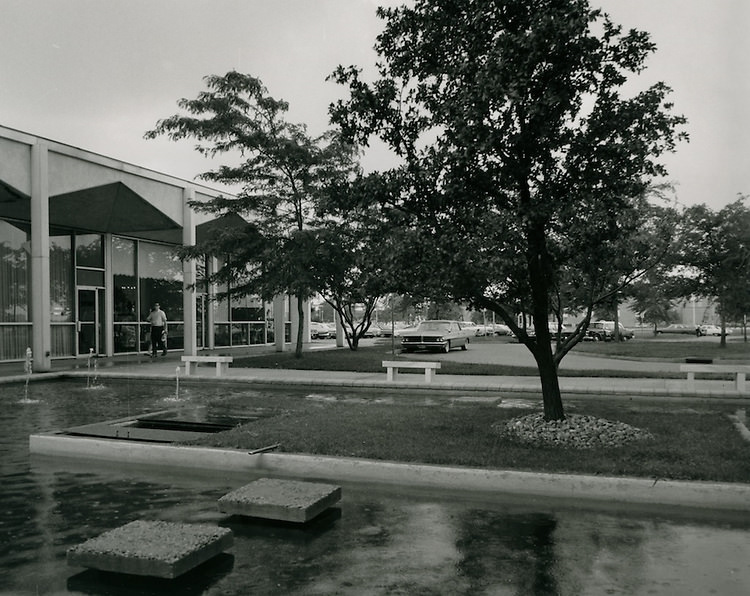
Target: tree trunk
(551,396)
(539,264)
(300,326)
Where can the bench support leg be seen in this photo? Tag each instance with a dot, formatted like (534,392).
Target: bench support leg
(428,375)
(741,382)
(187,369)
(691,381)
(391,374)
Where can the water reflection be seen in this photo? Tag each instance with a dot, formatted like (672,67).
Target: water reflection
(379,540)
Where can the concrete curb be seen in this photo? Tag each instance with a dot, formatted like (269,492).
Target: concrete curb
(715,395)
(705,495)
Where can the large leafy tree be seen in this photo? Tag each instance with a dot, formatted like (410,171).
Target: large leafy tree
(280,169)
(525,164)
(716,253)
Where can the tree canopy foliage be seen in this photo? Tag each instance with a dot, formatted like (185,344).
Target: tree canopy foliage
(526,165)
(715,250)
(281,171)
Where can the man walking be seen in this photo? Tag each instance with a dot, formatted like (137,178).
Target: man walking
(158,321)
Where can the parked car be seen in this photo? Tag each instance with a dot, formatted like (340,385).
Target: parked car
(439,334)
(501,329)
(472,328)
(373,331)
(331,329)
(605,331)
(677,328)
(319,330)
(710,330)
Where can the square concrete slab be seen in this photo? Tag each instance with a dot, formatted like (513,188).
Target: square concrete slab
(152,548)
(283,500)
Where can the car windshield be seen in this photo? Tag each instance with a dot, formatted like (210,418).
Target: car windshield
(434,326)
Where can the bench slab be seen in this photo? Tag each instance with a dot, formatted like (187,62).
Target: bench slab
(222,362)
(392,367)
(282,500)
(738,370)
(152,548)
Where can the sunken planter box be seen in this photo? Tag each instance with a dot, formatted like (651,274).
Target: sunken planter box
(282,500)
(152,548)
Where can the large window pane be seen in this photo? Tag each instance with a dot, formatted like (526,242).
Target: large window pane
(14,339)
(126,338)
(89,251)
(160,273)
(61,290)
(15,272)
(125,281)
(247,308)
(63,340)
(257,333)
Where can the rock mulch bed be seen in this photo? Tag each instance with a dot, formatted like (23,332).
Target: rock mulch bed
(576,431)
(152,548)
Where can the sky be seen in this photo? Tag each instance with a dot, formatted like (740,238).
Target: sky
(97,74)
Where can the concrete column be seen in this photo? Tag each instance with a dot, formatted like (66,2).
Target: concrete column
(188,276)
(109,298)
(339,330)
(296,321)
(40,283)
(211,266)
(278,321)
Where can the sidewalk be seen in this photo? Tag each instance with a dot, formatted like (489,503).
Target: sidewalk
(169,367)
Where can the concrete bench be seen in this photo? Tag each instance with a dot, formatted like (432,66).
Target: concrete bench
(221,362)
(739,370)
(392,367)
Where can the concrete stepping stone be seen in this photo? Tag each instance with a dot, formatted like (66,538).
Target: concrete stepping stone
(152,548)
(282,500)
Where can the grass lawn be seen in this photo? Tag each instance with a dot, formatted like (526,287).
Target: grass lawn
(697,443)
(369,358)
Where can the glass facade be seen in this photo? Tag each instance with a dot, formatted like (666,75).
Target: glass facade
(241,321)
(125,295)
(15,284)
(160,281)
(62,295)
(142,273)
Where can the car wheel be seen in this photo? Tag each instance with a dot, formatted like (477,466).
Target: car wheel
(447,347)
(465,345)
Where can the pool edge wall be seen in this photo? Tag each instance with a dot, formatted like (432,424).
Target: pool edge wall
(703,495)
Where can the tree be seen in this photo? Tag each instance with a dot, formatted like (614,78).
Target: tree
(353,262)
(281,170)
(525,168)
(716,254)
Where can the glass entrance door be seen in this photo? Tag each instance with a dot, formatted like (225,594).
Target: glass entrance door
(90,320)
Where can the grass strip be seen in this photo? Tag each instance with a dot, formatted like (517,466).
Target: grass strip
(697,443)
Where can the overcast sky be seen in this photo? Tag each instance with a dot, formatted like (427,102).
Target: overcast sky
(97,74)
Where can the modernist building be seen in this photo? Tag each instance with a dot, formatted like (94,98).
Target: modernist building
(87,245)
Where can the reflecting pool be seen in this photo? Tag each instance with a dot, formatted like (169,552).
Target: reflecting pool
(378,540)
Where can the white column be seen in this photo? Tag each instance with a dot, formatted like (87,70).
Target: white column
(211,266)
(188,276)
(295,320)
(40,283)
(339,330)
(278,321)
(109,298)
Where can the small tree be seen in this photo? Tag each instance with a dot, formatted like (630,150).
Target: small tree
(716,252)
(281,170)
